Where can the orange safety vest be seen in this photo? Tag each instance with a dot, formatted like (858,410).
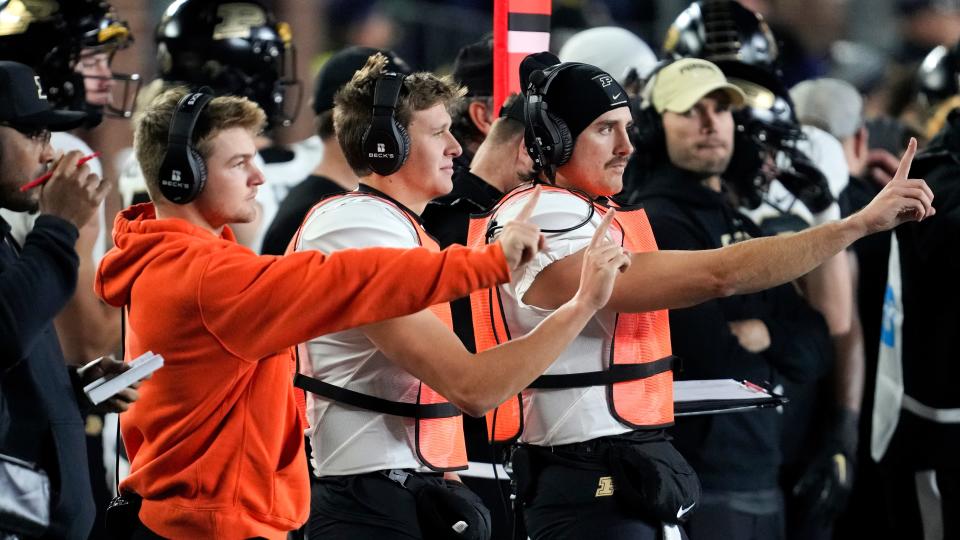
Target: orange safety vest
(638,377)
(439,441)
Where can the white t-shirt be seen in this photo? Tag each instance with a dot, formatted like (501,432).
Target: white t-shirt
(345,439)
(826,152)
(562,416)
(21,223)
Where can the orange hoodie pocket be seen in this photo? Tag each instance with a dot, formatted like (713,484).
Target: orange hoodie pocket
(291,492)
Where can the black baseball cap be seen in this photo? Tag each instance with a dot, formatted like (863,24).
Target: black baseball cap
(339,69)
(473,68)
(23,101)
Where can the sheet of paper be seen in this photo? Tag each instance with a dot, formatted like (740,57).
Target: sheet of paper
(715,389)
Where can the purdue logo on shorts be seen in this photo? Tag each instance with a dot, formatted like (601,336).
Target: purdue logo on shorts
(605,487)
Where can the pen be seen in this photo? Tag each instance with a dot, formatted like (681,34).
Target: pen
(40,181)
(754,387)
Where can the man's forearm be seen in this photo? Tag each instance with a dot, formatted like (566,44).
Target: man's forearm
(766,262)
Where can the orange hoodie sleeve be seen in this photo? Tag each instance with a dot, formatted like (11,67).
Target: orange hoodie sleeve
(256,306)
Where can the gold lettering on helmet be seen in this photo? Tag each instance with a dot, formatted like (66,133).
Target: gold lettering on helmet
(286,35)
(757,96)
(673,36)
(17,16)
(765,28)
(115,31)
(236,20)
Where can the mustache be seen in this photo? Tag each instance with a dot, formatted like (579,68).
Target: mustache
(617,161)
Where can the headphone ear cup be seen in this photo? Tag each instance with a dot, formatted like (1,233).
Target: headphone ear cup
(649,138)
(403,138)
(564,146)
(199,167)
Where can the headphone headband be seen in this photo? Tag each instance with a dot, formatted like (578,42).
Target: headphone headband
(386,93)
(186,116)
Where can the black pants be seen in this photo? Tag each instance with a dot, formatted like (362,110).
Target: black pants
(910,510)
(721,522)
(363,506)
(574,500)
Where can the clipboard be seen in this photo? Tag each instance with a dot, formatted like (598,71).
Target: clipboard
(718,396)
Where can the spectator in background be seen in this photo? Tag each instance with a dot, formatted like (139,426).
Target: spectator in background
(474,114)
(40,396)
(915,431)
(926,24)
(765,337)
(333,174)
(836,107)
(72,51)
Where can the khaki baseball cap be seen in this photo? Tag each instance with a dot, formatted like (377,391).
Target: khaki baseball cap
(681,84)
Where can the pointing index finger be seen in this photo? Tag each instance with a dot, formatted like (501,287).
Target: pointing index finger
(903,171)
(601,233)
(529,206)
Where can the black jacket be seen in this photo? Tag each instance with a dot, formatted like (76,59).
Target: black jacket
(930,272)
(40,419)
(739,452)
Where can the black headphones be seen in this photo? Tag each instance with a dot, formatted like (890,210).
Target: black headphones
(649,140)
(183,172)
(547,137)
(386,143)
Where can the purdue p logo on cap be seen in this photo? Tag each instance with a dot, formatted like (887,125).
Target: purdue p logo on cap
(680,85)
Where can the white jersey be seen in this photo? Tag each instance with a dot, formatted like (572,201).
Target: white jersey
(21,223)
(345,439)
(568,415)
(826,152)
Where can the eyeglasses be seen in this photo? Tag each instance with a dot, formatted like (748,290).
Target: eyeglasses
(34,133)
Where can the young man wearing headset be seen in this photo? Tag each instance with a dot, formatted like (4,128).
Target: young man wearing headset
(592,430)
(216,443)
(385,472)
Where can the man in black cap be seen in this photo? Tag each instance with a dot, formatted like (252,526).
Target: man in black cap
(40,396)
(333,174)
(473,115)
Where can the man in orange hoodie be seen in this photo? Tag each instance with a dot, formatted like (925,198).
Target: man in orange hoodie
(216,441)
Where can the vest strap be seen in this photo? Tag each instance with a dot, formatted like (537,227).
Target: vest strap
(617,373)
(372,403)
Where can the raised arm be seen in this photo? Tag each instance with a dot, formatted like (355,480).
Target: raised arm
(673,279)
(422,345)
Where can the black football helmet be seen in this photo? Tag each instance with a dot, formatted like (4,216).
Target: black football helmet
(36,33)
(51,35)
(938,76)
(98,28)
(235,48)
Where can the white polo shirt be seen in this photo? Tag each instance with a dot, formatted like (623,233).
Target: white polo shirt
(561,416)
(345,439)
